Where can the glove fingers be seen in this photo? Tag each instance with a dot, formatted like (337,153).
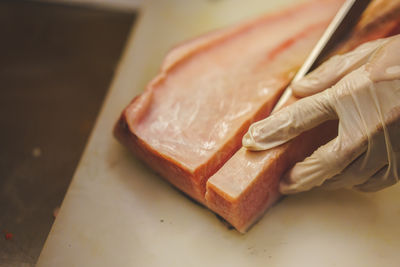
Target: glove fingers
(324,163)
(384,64)
(334,69)
(386,176)
(373,158)
(380,180)
(289,122)
(357,172)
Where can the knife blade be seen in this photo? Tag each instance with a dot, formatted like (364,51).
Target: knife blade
(343,22)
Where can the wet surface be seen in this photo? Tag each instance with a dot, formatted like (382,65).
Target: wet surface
(57,62)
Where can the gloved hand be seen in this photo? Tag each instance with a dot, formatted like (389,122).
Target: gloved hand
(364,95)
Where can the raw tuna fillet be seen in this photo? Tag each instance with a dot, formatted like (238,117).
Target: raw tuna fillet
(191,118)
(247,184)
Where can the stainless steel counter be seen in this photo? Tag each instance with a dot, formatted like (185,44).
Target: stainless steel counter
(56,64)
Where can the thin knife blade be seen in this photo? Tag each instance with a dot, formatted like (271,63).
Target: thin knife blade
(347,16)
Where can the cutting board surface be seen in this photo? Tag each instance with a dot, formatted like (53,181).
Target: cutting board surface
(117,212)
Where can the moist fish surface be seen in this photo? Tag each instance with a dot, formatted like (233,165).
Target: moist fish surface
(191,118)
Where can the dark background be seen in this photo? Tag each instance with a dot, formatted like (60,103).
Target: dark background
(56,64)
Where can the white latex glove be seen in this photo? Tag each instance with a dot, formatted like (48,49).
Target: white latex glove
(365,98)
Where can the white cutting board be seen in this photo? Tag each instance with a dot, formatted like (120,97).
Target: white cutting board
(118,213)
